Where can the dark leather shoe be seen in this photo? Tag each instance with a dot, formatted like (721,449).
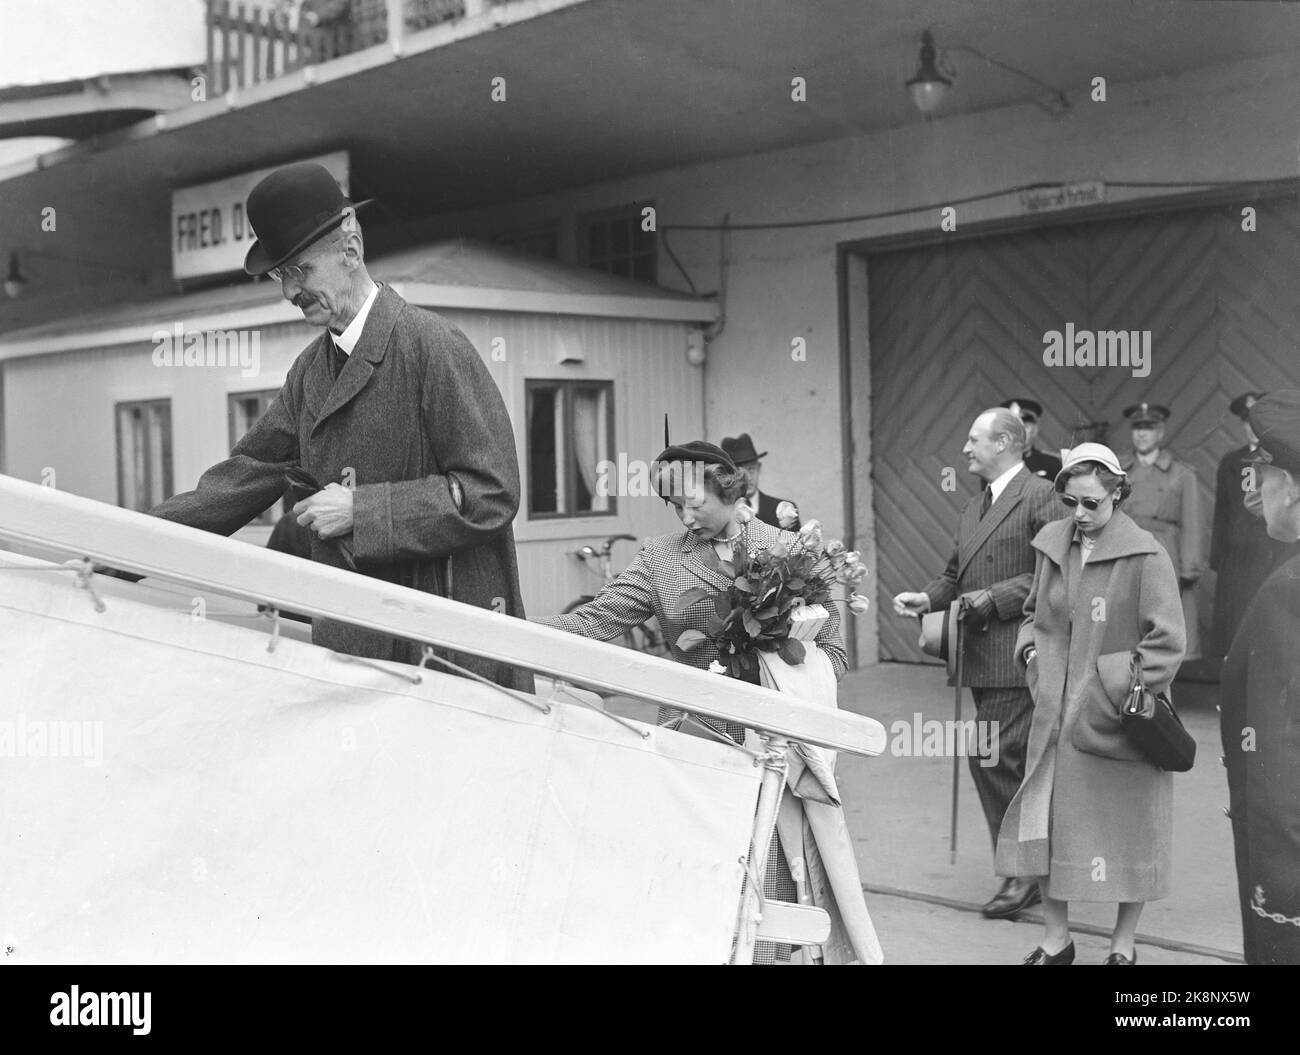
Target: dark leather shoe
(1038,958)
(1119,957)
(1012,898)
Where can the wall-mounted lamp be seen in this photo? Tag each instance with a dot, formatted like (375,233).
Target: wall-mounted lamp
(16,282)
(695,354)
(929,87)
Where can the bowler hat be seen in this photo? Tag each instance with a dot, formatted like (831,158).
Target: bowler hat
(291,208)
(741,449)
(1140,414)
(939,632)
(1275,420)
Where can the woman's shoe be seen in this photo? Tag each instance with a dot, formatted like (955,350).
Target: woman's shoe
(1119,957)
(1038,957)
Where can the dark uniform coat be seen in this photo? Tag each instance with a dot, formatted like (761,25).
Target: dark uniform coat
(1093,815)
(1241,552)
(1260,726)
(413,409)
(1040,463)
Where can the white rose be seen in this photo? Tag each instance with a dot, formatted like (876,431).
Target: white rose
(717,668)
(786,514)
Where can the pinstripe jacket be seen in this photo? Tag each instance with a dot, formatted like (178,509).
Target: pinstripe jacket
(995,554)
(666,567)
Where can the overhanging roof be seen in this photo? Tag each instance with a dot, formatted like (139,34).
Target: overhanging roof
(91,106)
(448,275)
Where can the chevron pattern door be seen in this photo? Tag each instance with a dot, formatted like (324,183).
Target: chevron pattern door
(959,327)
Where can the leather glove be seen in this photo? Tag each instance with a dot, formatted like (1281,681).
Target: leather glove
(979,607)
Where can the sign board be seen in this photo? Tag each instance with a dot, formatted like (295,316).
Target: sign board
(1063,196)
(210,233)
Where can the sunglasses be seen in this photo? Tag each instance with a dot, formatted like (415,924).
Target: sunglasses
(1090,504)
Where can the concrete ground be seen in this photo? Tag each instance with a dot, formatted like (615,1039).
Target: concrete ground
(926,907)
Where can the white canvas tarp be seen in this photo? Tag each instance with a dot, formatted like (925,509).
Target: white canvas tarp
(170,791)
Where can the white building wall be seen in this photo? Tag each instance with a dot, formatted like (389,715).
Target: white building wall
(1236,122)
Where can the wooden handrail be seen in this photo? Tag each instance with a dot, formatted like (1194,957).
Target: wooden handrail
(42,517)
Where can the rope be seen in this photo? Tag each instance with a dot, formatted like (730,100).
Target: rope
(85,569)
(429,654)
(563,687)
(414,679)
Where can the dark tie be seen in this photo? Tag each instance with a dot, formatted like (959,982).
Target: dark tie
(988,501)
(339,360)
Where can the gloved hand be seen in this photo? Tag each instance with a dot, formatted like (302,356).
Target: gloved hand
(979,607)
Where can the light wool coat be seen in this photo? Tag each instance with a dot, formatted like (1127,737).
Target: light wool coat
(413,409)
(1093,815)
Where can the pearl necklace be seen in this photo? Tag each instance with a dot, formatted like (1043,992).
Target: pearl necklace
(731,538)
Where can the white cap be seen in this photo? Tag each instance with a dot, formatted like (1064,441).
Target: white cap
(1090,452)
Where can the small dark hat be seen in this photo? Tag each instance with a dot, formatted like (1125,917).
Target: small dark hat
(1242,404)
(698,451)
(1023,405)
(1140,414)
(291,208)
(741,449)
(1275,420)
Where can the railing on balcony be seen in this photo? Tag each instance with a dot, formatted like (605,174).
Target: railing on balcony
(249,42)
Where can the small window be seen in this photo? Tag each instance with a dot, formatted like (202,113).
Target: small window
(144,453)
(615,243)
(570,432)
(244,410)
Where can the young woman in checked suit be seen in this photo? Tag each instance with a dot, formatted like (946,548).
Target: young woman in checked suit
(698,556)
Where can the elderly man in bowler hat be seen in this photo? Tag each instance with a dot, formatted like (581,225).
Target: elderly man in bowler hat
(1260,707)
(391,411)
(1166,501)
(748,460)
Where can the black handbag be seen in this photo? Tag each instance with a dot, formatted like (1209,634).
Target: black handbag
(1152,723)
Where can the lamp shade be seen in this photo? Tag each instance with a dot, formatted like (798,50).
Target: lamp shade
(929,86)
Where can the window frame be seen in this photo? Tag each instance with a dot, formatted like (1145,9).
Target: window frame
(272,513)
(567,387)
(632,214)
(167,452)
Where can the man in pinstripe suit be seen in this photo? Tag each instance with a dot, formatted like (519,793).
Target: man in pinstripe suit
(992,566)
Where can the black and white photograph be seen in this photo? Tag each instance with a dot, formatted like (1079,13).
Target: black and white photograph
(650,482)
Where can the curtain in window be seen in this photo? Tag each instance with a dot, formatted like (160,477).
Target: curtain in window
(589,432)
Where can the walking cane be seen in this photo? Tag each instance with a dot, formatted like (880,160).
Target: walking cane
(960,645)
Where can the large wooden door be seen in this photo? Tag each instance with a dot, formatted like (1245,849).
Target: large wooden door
(958,327)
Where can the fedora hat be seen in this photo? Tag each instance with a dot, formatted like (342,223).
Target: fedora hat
(291,208)
(939,632)
(741,449)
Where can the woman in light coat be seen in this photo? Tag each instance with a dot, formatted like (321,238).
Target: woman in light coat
(1093,818)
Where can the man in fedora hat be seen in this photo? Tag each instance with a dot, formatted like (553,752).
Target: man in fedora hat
(1260,707)
(391,410)
(1242,554)
(749,461)
(992,568)
(1166,501)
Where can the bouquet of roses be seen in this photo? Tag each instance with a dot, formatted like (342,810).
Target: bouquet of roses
(777,600)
